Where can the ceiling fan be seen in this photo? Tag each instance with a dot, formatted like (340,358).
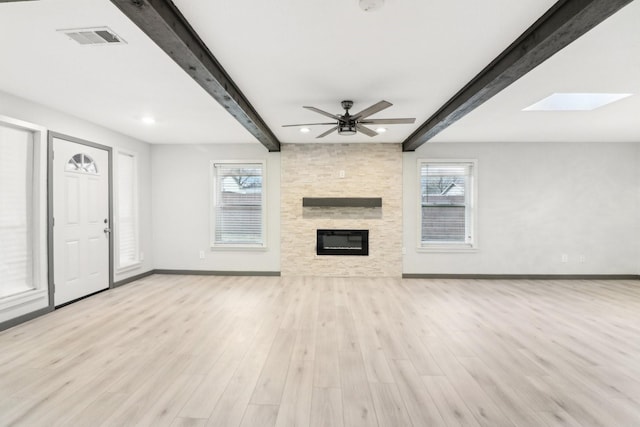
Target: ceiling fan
(349,124)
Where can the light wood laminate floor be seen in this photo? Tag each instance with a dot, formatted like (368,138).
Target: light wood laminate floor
(270,351)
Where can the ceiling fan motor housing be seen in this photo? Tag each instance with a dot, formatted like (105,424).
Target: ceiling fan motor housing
(347,128)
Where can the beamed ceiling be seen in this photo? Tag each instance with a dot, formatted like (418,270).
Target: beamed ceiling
(234,71)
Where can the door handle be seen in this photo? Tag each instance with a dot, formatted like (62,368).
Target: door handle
(107,230)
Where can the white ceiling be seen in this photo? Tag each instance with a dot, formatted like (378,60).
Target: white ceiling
(113,86)
(605,60)
(288,53)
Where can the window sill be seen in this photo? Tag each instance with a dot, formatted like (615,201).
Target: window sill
(447,249)
(25,297)
(239,247)
(129,267)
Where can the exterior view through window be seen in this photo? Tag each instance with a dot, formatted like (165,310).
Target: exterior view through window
(238,204)
(446,209)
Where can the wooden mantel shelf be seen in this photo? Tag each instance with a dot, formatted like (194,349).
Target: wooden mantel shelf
(351,202)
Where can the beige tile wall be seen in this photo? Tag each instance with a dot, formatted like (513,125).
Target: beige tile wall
(313,170)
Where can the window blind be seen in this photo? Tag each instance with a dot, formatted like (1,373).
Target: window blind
(127,212)
(16,226)
(238,204)
(445,207)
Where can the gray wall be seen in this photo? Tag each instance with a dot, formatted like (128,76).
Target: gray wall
(180,204)
(537,201)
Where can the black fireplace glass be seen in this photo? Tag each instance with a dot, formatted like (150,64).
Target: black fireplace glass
(342,242)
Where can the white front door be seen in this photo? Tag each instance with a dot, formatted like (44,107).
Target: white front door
(81,228)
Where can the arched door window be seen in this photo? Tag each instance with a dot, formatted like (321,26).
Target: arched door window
(82,163)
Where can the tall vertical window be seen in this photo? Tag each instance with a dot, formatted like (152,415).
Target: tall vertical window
(238,204)
(128,252)
(16,211)
(446,203)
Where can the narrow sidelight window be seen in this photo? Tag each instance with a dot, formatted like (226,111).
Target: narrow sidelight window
(128,246)
(16,211)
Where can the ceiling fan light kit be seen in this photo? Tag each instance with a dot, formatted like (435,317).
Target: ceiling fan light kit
(347,129)
(350,124)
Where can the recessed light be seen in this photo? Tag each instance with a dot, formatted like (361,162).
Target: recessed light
(381,130)
(148,120)
(305,130)
(370,5)
(575,101)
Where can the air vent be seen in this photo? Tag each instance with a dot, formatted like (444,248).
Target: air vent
(93,36)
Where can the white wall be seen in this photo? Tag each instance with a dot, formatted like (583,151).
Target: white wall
(57,121)
(180,204)
(537,201)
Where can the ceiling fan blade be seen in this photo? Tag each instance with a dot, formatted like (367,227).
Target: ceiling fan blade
(322,135)
(388,121)
(365,130)
(308,124)
(324,113)
(379,106)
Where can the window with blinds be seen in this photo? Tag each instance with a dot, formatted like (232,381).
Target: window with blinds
(446,203)
(128,252)
(16,211)
(238,204)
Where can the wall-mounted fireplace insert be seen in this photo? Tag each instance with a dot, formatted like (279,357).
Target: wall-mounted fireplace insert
(342,242)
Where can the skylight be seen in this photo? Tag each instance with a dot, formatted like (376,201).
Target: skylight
(575,101)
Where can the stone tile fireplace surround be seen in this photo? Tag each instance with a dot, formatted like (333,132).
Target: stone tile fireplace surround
(341,171)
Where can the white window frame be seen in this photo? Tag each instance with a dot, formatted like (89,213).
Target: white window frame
(137,262)
(214,198)
(21,303)
(471,212)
